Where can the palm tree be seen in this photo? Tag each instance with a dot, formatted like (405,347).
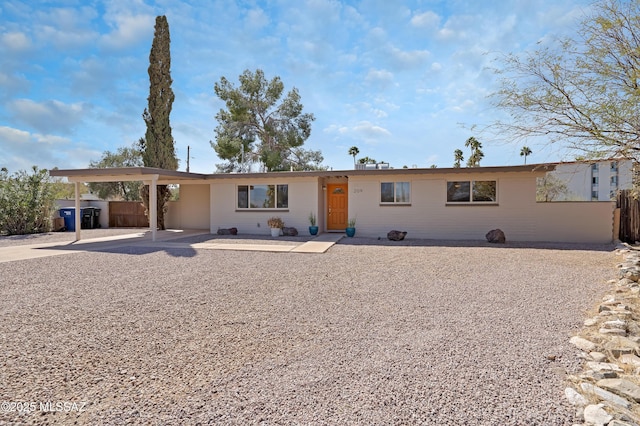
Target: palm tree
(458,156)
(474,159)
(476,152)
(473,143)
(525,152)
(353,151)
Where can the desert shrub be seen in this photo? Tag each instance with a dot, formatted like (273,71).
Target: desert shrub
(27,202)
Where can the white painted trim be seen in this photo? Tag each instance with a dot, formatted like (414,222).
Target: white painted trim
(77,212)
(153,207)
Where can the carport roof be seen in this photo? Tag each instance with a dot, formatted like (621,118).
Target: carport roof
(123,174)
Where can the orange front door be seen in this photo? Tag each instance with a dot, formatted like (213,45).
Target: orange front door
(337,203)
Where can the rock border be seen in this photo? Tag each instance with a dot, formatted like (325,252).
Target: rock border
(607,392)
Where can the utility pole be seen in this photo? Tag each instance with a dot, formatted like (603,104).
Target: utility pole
(188,156)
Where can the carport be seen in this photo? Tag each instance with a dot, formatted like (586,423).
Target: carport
(148,175)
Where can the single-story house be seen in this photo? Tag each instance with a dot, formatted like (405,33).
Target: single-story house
(433,203)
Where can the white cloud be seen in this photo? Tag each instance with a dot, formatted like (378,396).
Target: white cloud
(15,41)
(371,131)
(128,30)
(381,78)
(49,116)
(256,19)
(63,39)
(406,59)
(334,128)
(428,20)
(20,149)
(12,136)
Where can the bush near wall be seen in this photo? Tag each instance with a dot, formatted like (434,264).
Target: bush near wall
(27,202)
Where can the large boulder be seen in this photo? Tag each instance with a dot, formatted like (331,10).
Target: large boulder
(396,235)
(227,231)
(496,236)
(289,231)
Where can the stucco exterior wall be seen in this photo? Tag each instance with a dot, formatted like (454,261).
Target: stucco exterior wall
(516,212)
(191,211)
(303,199)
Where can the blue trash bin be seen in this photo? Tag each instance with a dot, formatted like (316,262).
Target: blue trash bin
(69,216)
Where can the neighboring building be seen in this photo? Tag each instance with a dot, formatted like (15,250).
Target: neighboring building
(434,203)
(594,181)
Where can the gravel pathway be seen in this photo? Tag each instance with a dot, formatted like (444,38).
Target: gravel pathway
(367,333)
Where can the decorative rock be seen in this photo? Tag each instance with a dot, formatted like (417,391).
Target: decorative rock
(575,398)
(598,356)
(590,322)
(617,422)
(624,282)
(396,235)
(496,236)
(614,324)
(621,387)
(631,273)
(229,231)
(622,345)
(289,231)
(613,331)
(595,415)
(604,366)
(630,359)
(582,344)
(605,395)
(594,376)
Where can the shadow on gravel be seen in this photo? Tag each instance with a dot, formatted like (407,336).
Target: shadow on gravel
(132,246)
(409,242)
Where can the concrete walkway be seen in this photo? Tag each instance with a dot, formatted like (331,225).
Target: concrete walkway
(320,244)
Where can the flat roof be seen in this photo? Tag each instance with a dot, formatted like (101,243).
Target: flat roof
(148,173)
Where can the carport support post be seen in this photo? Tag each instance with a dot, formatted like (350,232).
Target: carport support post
(77,217)
(153,207)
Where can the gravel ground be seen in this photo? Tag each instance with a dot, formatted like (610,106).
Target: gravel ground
(371,332)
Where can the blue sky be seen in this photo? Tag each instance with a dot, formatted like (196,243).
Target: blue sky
(404,81)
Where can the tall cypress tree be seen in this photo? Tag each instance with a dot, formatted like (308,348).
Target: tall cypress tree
(158,146)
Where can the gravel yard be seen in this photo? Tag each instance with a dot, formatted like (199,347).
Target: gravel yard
(371,332)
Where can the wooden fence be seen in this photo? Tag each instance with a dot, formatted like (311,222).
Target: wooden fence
(629,216)
(127,214)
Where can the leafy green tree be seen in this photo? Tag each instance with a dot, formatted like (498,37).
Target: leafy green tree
(584,91)
(257,126)
(353,151)
(476,152)
(62,190)
(123,157)
(367,160)
(27,202)
(458,157)
(525,152)
(158,146)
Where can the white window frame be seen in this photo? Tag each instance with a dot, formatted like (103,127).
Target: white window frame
(249,186)
(395,201)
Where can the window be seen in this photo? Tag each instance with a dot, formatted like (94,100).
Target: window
(479,191)
(594,195)
(614,181)
(395,192)
(594,167)
(263,196)
(614,166)
(594,180)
